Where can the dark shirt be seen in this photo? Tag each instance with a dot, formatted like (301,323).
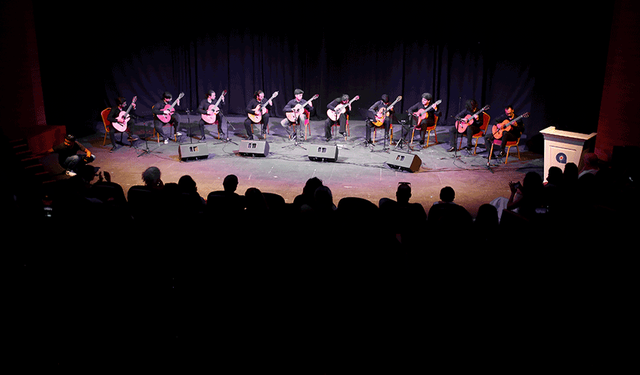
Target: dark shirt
(418,106)
(335,102)
(65,151)
(373,110)
(114,113)
(204,106)
(253,103)
(292,103)
(517,128)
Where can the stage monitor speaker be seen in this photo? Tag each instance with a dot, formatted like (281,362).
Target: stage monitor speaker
(323,153)
(254,148)
(194,151)
(404,161)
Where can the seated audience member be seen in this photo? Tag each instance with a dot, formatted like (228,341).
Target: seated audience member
(146,201)
(486,225)
(306,198)
(226,201)
(255,201)
(68,156)
(412,214)
(525,198)
(447,215)
(590,161)
(190,196)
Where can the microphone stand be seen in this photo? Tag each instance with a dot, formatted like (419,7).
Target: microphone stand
(145,150)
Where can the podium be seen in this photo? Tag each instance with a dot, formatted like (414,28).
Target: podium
(562,147)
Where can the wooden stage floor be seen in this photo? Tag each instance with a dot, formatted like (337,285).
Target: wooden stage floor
(360,171)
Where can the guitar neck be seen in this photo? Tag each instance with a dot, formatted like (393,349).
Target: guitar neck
(220,98)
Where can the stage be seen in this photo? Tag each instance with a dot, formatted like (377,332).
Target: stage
(360,170)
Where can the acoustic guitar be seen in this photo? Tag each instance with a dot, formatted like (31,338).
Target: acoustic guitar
(384,112)
(260,110)
(123,118)
(169,107)
(297,110)
(334,114)
(506,126)
(213,110)
(423,113)
(463,124)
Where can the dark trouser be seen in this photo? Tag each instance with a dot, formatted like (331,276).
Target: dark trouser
(175,122)
(248,125)
(75,162)
(506,137)
(112,132)
(369,124)
(219,118)
(342,121)
(454,134)
(422,127)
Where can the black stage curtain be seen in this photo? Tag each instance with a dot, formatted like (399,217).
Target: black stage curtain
(524,54)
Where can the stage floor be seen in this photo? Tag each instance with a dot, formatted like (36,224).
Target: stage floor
(360,171)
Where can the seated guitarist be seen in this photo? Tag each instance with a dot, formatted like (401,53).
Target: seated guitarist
(158,109)
(427,122)
(471,107)
(342,120)
(258,98)
(289,108)
(203,109)
(517,128)
(371,116)
(113,117)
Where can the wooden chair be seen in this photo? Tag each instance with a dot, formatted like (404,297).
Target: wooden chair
(104,114)
(107,128)
(390,133)
(483,128)
(429,129)
(510,144)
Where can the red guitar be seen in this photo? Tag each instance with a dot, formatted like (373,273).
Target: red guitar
(213,110)
(169,107)
(463,124)
(123,117)
(506,125)
(424,112)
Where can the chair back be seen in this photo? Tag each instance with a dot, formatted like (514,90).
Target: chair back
(104,114)
(485,121)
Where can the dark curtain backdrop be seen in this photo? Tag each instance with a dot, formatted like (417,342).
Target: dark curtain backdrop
(528,55)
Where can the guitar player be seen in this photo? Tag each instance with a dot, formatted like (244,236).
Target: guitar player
(203,109)
(371,115)
(424,103)
(158,109)
(507,135)
(113,117)
(258,98)
(342,120)
(289,108)
(471,107)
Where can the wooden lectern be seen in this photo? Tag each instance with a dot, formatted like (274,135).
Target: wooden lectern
(562,147)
